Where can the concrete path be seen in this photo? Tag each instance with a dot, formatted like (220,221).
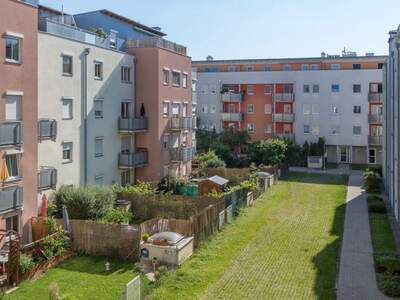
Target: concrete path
(356,274)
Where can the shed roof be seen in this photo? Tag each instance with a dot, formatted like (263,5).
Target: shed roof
(218,180)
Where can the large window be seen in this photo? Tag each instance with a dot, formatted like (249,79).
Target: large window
(98,70)
(67,152)
(12,162)
(125,74)
(12,223)
(176,109)
(356,66)
(98,147)
(66,109)
(13,49)
(67,65)
(176,78)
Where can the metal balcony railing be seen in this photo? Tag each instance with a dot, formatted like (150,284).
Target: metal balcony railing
(11,134)
(284,97)
(11,198)
(132,124)
(375,118)
(133,160)
(232,97)
(375,140)
(283,117)
(47,178)
(182,154)
(232,117)
(156,42)
(375,97)
(181,123)
(47,129)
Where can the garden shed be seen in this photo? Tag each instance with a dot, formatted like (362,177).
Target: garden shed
(210,184)
(268,178)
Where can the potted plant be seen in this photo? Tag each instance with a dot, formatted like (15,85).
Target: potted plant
(145,237)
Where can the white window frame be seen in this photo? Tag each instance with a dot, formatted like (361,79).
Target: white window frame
(70,149)
(165,141)
(315,88)
(178,73)
(250,108)
(11,99)
(165,76)
(98,67)
(98,113)
(315,109)
(125,74)
(250,91)
(250,127)
(357,126)
(184,80)
(99,178)
(9,36)
(306,131)
(268,128)
(165,108)
(99,140)
(71,62)
(306,89)
(358,85)
(268,108)
(69,100)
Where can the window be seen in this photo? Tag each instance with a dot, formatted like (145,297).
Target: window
(98,70)
(315,130)
(268,89)
(268,109)
(335,66)
(356,130)
(165,77)
(125,178)
(185,109)
(204,109)
(165,142)
(267,68)
(250,89)
(314,67)
(250,108)
(231,68)
(98,147)
(184,80)
(12,162)
(231,107)
(287,109)
(287,88)
(12,223)
(99,179)
(13,49)
(356,88)
(126,109)
(113,43)
(356,66)
(315,109)
(356,109)
(66,109)
(165,109)
(268,128)
(67,65)
(250,68)
(315,88)
(176,78)
(125,74)
(376,88)
(67,152)
(126,143)
(306,88)
(335,88)
(306,109)
(287,67)
(176,107)
(250,127)
(304,67)
(13,108)
(306,129)
(380,66)
(98,108)
(334,109)
(372,156)
(335,129)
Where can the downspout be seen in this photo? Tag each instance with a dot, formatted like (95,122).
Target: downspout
(134,106)
(397,138)
(85,114)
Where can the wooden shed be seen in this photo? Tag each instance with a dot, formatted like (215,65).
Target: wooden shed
(216,183)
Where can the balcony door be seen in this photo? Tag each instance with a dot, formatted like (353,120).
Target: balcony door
(184,109)
(376,130)
(13,108)
(126,109)
(175,140)
(176,107)
(372,156)
(126,144)
(287,109)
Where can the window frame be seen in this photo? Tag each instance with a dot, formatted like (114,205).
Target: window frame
(126,74)
(19,43)
(304,129)
(99,64)
(185,78)
(70,72)
(250,105)
(306,89)
(178,73)
(357,126)
(250,91)
(96,140)
(333,88)
(250,126)
(70,159)
(101,115)
(71,109)
(315,88)
(355,86)
(165,76)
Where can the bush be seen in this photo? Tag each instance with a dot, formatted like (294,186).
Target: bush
(170,184)
(387,263)
(377,207)
(389,284)
(57,244)
(85,203)
(374,198)
(140,189)
(269,152)
(117,216)
(26,263)
(372,181)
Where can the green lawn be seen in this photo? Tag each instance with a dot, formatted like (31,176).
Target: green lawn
(284,247)
(80,277)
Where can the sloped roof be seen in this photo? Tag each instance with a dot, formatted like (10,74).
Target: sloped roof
(218,180)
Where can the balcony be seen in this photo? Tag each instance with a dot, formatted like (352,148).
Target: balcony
(232,117)
(375,97)
(286,136)
(288,118)
(47,178)
(232,97)
(181,123)
(11,199)
(47,129)
(284,97)
(133,160)
(11,134)
(375,140)
(182,154)
(129,125)
(156,42)
(375,118)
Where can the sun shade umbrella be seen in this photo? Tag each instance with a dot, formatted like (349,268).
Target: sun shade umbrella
(3,170)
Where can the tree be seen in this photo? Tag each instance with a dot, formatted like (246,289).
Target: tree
(269,152)
(99,31)
(207,160)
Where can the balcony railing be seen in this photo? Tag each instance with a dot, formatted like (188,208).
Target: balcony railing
(133,160)
(232,117)
(287,136)
(375,118)
(232,97)
(182,154)
(47,129)
(156,42)
(375,97)
(181,123)
(132,124)
(11,198)
(283,117)
(10,134)
(284,97)
(47,178)
(375,140)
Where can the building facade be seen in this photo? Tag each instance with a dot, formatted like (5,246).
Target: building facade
(18,115)
(335,97)
(163,93)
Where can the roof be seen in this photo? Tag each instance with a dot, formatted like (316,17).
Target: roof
(218,180)
(264,174)
(126,20)
(52,10)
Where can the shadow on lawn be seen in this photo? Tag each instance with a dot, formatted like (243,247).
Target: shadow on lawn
(315,178)
(96,265)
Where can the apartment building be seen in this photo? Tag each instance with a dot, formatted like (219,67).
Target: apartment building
(18,115)
(391,171)
(87,117)
(163,93)
(332,96)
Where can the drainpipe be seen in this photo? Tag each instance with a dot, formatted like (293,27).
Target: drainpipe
(134,107)
(85,113)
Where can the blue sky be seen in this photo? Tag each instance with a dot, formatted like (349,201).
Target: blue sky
(232,29)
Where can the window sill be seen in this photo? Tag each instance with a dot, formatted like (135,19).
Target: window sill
(67,161)
(98,155)
(126,82)
(98,78)
(166,83)
(66,119)
(176,85)
(67,74)
(99,117)
(13,62)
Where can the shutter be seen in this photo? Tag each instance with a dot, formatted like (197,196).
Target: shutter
(13,108)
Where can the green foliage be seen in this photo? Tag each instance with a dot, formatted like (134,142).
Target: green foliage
(387,265)
(377,207)
(117,216)
(269,152)
(372,181)
(170,184)
(85,203)
(374,198)
(389,284)
(294,153)
(145,236)
(99,31)
(54,245)
(141,188)
(207,160)
(26,263)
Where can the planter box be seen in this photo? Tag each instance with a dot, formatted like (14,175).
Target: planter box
(315,162)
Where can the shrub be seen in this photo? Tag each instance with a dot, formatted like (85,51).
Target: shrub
(269,152)
(372,181)
(117,216)
(57,244)
(26,263)
(140,189)
(387,263)
(170,184)
(389,284)
(85,203)
(145,236)
(377,207)
(374,198)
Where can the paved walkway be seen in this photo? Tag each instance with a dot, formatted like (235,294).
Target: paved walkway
(356,274)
